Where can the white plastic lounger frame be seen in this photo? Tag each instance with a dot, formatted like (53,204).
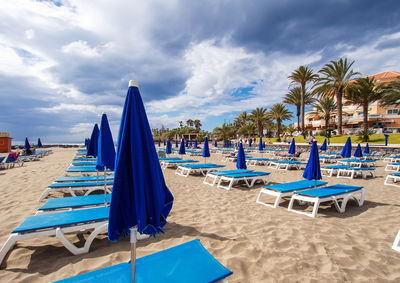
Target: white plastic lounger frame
(185,171)
(392,167)
(249,181)
(396,243)
(285,166)
(394,178)
(213,178)
(317,201)
(87,189)
(350,173)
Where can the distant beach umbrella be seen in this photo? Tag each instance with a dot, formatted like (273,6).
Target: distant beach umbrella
(176,143)
(313,170)
(27,145)
(92,150)
(324,146)
(346,152)
(168,150)
(249,142)
(366,149)
(105,151)
(39,143)
(206,150)
(195,143)
(159,143)
(187,143)
(260,145)
(292,149)
(140,199)
(263,144)
(241,160)
(182,147)
(165,143)
(358,152)
(87,142)
(190,143)
(215,143)
(386,139)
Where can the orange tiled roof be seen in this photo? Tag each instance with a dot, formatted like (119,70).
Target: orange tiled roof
(387,76)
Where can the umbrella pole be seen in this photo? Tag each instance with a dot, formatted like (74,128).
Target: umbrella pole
(105,187)
(133,253)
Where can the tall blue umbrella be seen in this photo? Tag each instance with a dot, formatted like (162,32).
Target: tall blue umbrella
(190,143)
(182,147)
(263,144)
(187,143)
(176,143)
(346,152)
(39,145)
(165,143)
(249,142)
(358,152)
(87,142)
(195,143)
(105,151)
(168,150)
(206,150)
(292,149)
(324,146)
(386,139)
(215,143)
(366,149)
(260,145)
(92,150)
(27,145)
(241,160)
(159,143)
(313,170)
(140,196)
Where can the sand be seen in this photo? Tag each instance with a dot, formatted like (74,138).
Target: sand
(258,243)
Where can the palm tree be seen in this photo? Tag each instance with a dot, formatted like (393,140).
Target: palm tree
(279,113)
(189,123)
(364,92)
(258,116)
(325,106)
(243,118)
(246,129)
(391,94)
(335,82)
(180,124)
(293,97)
(302,76)
(197,124)
(224,132)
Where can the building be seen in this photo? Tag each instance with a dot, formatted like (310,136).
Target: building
(379,118)
(5,142)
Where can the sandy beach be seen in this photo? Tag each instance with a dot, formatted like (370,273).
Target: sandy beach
(258,243)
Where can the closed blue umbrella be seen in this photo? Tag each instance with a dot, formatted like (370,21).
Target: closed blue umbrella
(187,143)
(215,143)
(249,142)
(190,144)
(27,145)
(195,143)
(105,151)
(313,170)
(324,146)
(165,143)
(182,148)
(386,139)
(87,142)
(241,160)
(168,150)
(159,143)
(92,150)
(358,152)
(292,149)
(260,145)
(346,152)
(263,144)
(39,143)
(366,149)
(176,143)
(140,196)
(206,150)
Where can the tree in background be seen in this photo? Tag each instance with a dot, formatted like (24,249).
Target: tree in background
(293,97)
(258,117)
(391,94)
(279,113)
(325,106)
(223,132)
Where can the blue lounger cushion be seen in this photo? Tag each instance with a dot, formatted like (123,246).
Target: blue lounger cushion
(338,167)
(294,186)
(80,184)
(169,158)
(204,165)
(83,178)
(83,169)
(84,163)
(44,221)
(395,174)
(219,173)
(247,174)
(181,161)
(188,262)
(260,159)
(73,202)
(329,191)
(361,169)
(83,159)
(289,162)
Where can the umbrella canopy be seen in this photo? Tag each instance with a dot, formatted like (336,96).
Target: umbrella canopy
(87,142)
(324,146)
(182,148)
(366,149)
(358,152)
(159,143)
(241,160)
(215,143)
(165,143)
(140,196)
(105,146)
(249,142)
(206,150)
(260,145)
(176,143)
(292,149)
(39,143)
(190,143)
(346,152)
(263,144)
(168,150)
(195,143)
(386,139)
(313,170)
(27,145)
(92,150)
(187,143)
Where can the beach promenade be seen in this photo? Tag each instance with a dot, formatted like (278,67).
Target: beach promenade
(258,243)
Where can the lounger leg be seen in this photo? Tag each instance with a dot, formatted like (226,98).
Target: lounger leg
(8,246)
(74,249)
(315,208)
(395,246)
(44,194)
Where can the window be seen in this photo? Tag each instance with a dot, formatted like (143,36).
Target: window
(393,111)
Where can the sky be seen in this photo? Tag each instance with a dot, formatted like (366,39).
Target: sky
(64,63)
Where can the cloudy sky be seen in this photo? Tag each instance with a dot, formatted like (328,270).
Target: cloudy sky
(63,63)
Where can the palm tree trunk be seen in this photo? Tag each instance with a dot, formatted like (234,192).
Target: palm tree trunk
(326,124)
(278,128)
(298,118)
(259,128)
(339,96)
(303,90)
(365,122)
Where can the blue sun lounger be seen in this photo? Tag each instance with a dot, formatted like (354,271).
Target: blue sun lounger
(84,170)
(185,169)
(328,171)
(83,163)
(259,161)
(287,164)
(286,189)
(59,224)
(83,159)
(215,175)
(169,158)
(187,262)
(70,203)
(71,188)
(352,172)
(249,178)
(175,163)
(328,194)
(83,179)
(395,177)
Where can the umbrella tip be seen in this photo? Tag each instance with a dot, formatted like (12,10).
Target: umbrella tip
(133,83)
